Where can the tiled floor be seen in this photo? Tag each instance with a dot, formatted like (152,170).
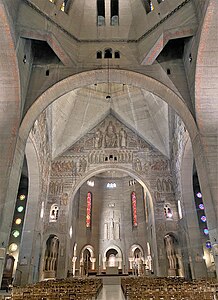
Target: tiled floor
(111,292)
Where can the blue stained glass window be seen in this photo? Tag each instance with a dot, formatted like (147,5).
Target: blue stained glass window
(203,219)
(201,206)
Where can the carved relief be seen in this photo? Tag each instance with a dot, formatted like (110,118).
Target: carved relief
(110,139)
(62,167)
(112,228)
(64,199)
(138,165)
(164,185)
(123,138)
(56,187)
(82,165)
(98,139)
(159,165)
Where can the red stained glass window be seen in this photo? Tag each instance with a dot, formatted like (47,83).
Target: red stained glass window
(134,209)
(88,209)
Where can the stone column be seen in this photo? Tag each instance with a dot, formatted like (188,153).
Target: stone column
(74,264)
(131,262)
(93,261)
(104,259)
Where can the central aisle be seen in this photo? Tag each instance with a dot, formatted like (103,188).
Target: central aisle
(111,292)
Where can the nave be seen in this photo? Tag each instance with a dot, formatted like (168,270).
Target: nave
(119,288)
(111,292)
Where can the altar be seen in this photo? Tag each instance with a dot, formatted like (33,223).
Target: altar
(112,270)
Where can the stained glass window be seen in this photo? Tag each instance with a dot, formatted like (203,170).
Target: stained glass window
(15,233)
(88,209)
(18,221)
(203,219)
(201,206)
(63,5)
(20,209)
(206,231)
(134,209)
(13,247)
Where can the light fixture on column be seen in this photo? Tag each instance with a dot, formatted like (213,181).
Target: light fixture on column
(108,96)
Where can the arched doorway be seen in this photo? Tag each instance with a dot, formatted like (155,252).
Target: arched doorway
(87,261)
(137,261)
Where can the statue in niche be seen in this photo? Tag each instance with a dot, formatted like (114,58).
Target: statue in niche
(92,157)
(159,185)
(82,165)
(101,159)
(98,139)
(110,136)
(138,165)
(123,138)
(171,252)
(64,199)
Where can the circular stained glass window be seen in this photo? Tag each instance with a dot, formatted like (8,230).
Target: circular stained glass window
(15,233)
(206,231)
(208,245)
(20,209)
(203,219)
(201,206)
(13,247)
(22,197)
(199,195)
(18,221)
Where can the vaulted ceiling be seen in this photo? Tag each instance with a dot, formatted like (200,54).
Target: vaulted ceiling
(77,112)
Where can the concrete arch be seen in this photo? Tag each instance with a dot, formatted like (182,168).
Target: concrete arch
(33,206)
(101,169)
(10,101)
(190,220)
(101,76)
(136,176)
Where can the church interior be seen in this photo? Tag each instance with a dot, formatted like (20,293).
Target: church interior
(109,147)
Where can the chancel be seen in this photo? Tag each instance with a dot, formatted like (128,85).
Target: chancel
(109,130)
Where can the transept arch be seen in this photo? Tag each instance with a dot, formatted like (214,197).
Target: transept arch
(117,76)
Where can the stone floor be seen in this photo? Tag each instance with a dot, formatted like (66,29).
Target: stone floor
(111,292)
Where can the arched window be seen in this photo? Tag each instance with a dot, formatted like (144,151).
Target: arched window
(168,211)
(54,213)
(88,209)
(117,54)
(99,55)
(114,12)
(108,53)
(134,209)
(100,12)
